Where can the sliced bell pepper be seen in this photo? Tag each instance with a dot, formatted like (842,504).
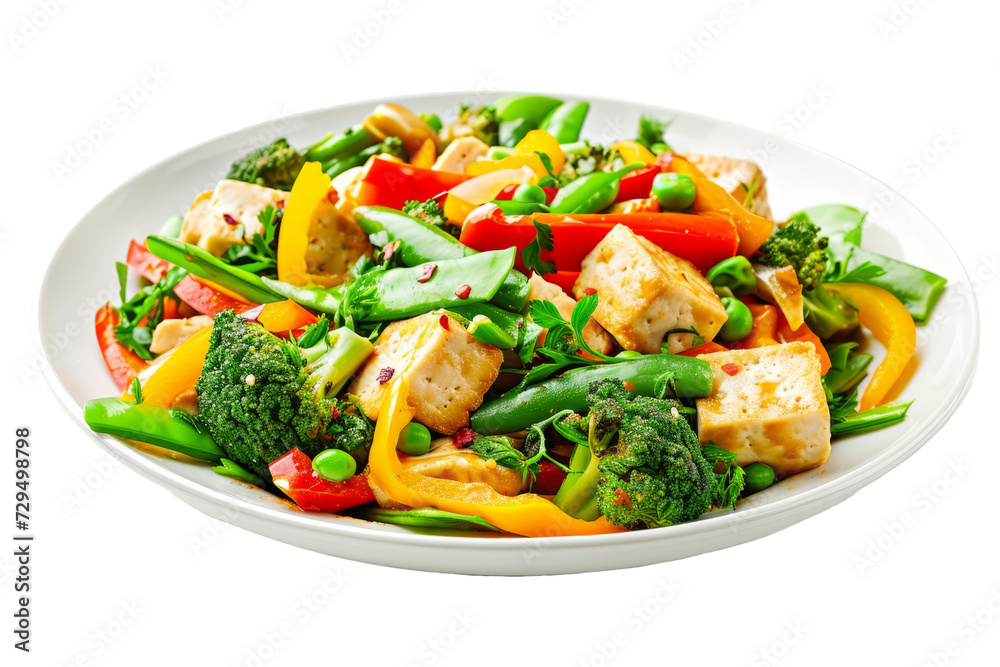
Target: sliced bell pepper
(712,198)
(705,348)
(425,156)
(892,325)
(548,479)
(293,473)
(765,327)
(123,363)
(526,514)
(532,162)
(785,334)
(393,120)
(309,188)
(633,151)
(464,198)
(638,184)
(387,183)
(540,141)
(700,240)
(146,263)
(283,317)
(208,298)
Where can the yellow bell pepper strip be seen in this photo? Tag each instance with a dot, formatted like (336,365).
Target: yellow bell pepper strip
(532,162)
(712,198)
(891,324)
(393,120)
(309,188)
(633,151)
(425,156)
(526,514)
(540,141)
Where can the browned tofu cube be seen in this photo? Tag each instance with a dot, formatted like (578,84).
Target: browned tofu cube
(733,174)
(768,405)
(594,334)
(448,371)
(646,291)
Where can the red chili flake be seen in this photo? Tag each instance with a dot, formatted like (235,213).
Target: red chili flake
(332,196)
(327,437)
(280,204)
(429,270)
(389,250)
(730,369)
(444,323)
(621,498)
(587,291)
(463,292)
(464,437)
(520,323)
(335,412)
(385,374)
(230,220)
(252,314)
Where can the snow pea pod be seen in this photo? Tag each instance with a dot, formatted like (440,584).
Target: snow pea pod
(513,207)
(321,299)
(167,428)
(349,142)
(566,121)
(518,327)
(519,114)
(523,406)
(396,294)
(203,264)
(421,242)
(591,193)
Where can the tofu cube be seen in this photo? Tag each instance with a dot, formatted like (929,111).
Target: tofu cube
(228,215)
(646,291)
(768,405)
(732,173)
(594,334)
(336,242)
(448,371)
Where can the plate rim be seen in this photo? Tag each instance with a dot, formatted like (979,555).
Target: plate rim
(828,493)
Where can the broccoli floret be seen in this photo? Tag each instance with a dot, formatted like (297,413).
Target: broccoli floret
(274,166)
(429,211)
(482,121)
(798,244)
(653,472)
(828,315)
(260,395)
(586,159)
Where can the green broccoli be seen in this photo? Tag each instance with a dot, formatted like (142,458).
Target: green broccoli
(585,158)
(260,395)
(828,315)
(797,244)
(429,211)
(274,166)
(482,121)
(645,466)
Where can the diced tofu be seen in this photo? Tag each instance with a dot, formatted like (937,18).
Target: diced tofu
(448,371)
(731,173)
(651,205)
(646,291)
(168,334)
(228,215)
(768,405)
(460,153)
(336,242)
(594,334)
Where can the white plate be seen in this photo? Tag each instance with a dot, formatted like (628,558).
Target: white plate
(81,277)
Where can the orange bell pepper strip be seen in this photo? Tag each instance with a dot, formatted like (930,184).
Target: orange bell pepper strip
(425,156)
(892,325)
(765,327)
(527,514)
(180,371)
(705,348)
(123,363)
(785,334)
(633,151)
(713,199)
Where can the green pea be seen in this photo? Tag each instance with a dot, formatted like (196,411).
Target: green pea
(629,354)
(675,192)
(529,193)
(739,320)
(335,465)
(414,439)
(735,274)
(758,478)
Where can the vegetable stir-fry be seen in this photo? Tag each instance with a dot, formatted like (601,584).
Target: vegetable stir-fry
(496,324)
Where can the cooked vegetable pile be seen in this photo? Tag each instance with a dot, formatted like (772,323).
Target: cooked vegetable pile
(492,323)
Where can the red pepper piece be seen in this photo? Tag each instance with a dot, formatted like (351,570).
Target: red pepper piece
(146,263)
(638,184)
(706,348)
(463,292)
(730,369)
(392,184)
(293,473)
(123,363)
(206,300)
(703,240)
(548,480)
(463,437)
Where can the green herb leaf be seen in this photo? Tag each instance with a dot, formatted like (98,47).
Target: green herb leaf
(137,391)
(730,481)
(532,253)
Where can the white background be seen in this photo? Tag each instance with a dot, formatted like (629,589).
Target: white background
(124,574)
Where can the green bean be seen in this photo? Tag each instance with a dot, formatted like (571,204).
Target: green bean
(167,428)
(348,142)
(322,299)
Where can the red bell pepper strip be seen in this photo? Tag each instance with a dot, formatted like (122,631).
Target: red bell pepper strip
(508,193)
(704,241)
(548,480)
(207,300)
(392,184)
(705,348)
(123,363)
(293,473)
(638,184)
(146,263)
